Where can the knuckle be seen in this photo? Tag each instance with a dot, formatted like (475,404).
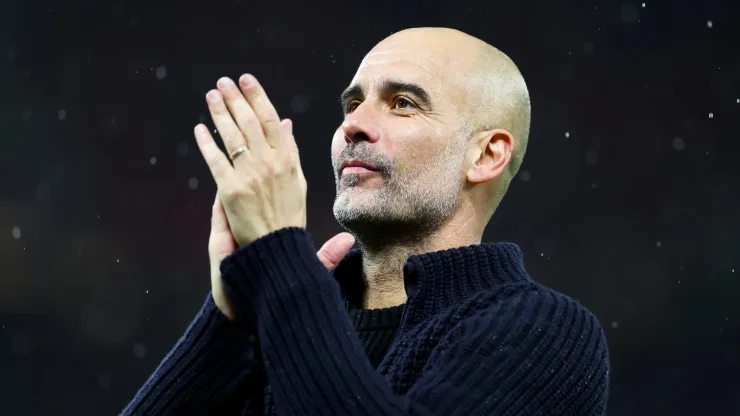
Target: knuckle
(257,93)
(282,166)
(254,183)
(231,136)
(255,96)
(278,167)
(272,122)
(234,193)
(252,121)
(269,167)
(212,158)
(230,193)
(289,164)
(244,121)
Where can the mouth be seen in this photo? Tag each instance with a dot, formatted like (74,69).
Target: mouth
(356,167)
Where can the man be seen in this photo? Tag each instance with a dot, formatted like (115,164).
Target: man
(435,128)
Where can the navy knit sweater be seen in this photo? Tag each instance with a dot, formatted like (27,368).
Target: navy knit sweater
(478,337)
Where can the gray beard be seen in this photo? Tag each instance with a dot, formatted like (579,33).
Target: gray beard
(405,209)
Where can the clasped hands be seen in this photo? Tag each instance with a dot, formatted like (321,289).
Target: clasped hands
(265,189)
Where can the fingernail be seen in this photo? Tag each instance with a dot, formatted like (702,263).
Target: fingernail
(224,83)
(213,96)
(247,80)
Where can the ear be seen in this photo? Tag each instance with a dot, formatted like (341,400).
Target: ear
(491,154)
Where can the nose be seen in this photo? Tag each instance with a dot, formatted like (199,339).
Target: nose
(359,125)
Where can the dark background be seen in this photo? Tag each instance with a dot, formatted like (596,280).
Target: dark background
(627,201)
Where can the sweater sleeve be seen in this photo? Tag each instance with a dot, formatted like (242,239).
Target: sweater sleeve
(211,370)
(538,362)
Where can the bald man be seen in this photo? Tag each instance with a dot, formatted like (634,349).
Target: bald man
(422,318)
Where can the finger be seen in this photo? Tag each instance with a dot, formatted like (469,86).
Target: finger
(334,250)
(216,160)
(218,217)
(264,109)
(287,127)
(290,144)
(229,131)
(288,138)
(242,113)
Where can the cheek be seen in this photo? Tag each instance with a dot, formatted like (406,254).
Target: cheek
(420,145)
(421,142)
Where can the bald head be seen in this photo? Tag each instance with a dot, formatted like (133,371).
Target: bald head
(443,118)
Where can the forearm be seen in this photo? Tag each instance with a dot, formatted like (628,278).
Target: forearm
(314,361)
(211,368)
(321,368)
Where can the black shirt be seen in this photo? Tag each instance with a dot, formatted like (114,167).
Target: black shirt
(377,329)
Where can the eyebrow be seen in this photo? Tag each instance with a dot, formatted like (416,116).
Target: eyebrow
(389,87)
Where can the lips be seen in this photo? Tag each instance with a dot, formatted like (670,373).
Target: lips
(355,163)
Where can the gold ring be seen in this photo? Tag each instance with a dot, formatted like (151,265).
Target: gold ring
(237,152)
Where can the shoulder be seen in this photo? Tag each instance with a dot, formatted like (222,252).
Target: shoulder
(532,315)
(552,338)
(533,303)
(561,314)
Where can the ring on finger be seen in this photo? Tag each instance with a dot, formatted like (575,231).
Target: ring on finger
(236,153)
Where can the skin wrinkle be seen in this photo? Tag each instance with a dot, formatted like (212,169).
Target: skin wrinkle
(442,173)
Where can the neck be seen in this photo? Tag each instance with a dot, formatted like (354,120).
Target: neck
(382,266)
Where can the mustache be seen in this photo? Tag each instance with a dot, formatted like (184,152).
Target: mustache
(364,154)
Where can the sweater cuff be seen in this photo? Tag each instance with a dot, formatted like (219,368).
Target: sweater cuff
(203,369)
(270,268)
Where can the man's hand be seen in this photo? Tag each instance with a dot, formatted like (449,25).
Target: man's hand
(265,189)
(221,244)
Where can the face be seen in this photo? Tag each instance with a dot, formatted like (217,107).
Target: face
(402,118)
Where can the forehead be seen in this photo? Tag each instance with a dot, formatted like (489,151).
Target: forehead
(432,67)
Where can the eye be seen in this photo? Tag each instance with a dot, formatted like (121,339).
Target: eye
(352,106)
(403,104)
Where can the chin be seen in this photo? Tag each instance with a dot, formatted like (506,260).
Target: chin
(348,205)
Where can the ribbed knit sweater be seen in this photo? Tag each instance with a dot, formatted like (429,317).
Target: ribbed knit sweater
(478,336)
(376,328)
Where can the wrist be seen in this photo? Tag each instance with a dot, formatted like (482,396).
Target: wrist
(220,299)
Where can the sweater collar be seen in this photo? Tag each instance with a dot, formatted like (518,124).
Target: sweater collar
(437,280)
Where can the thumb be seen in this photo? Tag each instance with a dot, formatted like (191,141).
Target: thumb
(218,217)
(287,126)
(334,250)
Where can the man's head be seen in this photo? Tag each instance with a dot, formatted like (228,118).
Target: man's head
(443,117)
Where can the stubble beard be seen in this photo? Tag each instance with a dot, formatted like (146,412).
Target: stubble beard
(403,209)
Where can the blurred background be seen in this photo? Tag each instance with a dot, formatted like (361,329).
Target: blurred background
(627,200)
